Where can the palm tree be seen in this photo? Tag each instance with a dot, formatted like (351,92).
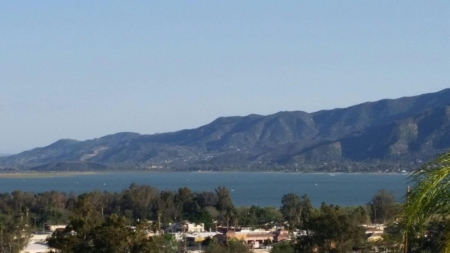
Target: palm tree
(429,197)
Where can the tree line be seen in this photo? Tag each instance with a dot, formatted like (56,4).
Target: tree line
(117,222)
(97,219)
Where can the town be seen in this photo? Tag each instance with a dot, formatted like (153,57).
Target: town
(191,237)
(141,217)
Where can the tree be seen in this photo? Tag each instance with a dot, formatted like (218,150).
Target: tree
(331,231)
(224,202)
(295,209)
(392,238)
(205,199)
(79,234)
(306,208)
(159,244)
(14,233)
(225,206)
(283,247)
(290,207)
(360,215)
(114,237)
(232,246)
(429,198)
(166,206)
(139,199)
(382,207)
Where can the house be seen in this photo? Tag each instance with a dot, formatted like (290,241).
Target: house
(196,238)
(53,228)
(281,235)
(252,237)
(185,227)
(374,232)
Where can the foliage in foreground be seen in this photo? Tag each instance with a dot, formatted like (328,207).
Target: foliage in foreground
(283,247)
(232,246)
(14,233)
(429,200)
(331,230)
(88,233)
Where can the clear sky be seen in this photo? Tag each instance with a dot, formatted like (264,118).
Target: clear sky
(85,69)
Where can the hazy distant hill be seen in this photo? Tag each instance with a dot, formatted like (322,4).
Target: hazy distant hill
(391,133)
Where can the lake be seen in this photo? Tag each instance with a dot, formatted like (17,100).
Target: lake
(262,189)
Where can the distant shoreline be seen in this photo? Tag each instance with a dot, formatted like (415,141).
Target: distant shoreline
(51,174)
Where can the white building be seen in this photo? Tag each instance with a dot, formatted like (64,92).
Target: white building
(185,227)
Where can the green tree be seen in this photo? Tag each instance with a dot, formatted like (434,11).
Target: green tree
(14,233)
(392,238)
(228,214)
(291,207)
(79,234)
(383,207)
(429,198)
(331,230)
(296,209)
(256,215)
(224,202)
(306,208)
(166,205)
(205,199)
(283,247)
(232,246)
(159,244)
(113,236)
(140,199)
(216,248)
(360,215)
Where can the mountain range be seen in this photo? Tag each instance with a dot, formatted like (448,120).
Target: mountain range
(386,135)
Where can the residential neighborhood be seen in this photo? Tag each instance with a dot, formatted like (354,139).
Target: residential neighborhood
(195,238)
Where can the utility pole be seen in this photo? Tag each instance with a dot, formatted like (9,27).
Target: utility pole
(159,221)
(406,244)
(1,238)
(185,246)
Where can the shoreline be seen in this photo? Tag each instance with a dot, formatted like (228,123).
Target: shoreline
(52,174)
(49,174)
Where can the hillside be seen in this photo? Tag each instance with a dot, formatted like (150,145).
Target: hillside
(389,134)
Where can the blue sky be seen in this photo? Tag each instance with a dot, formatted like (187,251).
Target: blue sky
(84,69)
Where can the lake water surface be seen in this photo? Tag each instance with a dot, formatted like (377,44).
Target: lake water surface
(262,189)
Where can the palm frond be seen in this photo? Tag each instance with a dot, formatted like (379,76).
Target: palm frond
(430,195)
